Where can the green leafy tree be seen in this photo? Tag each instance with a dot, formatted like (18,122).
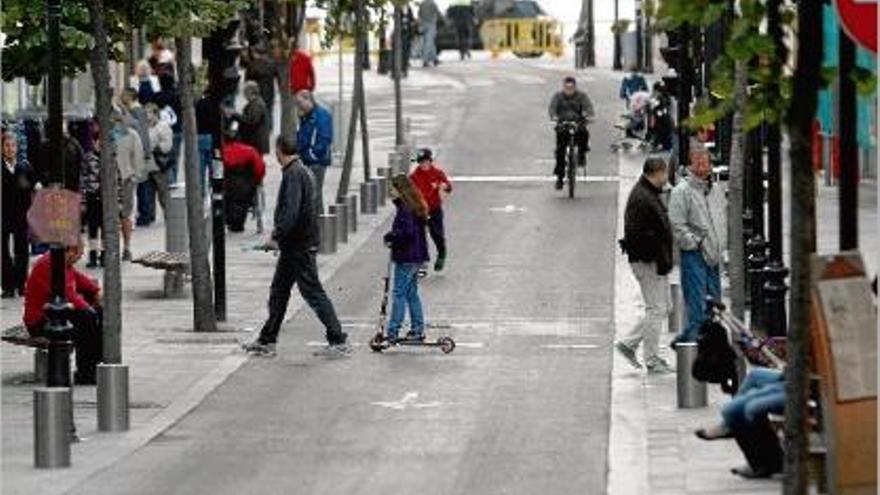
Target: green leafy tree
(182,20)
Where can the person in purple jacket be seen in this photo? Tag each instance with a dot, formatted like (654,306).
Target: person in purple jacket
(409,251)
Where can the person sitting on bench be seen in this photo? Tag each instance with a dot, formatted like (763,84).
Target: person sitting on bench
(84,294)
(744,418)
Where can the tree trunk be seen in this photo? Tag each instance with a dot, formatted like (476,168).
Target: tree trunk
(362,35)
(616,64)
(203,304)
(801,113)
(737,268)
(112,304)
(288,41)
(356,108)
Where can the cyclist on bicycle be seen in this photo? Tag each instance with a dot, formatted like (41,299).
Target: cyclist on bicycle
(570,105)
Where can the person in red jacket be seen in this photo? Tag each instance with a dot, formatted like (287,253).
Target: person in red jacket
(302,73)
(83,294)
(431,181)
(243,169)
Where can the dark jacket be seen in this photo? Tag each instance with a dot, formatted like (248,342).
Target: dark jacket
(18,188)
(573,108)
(208,118)
(647,234)
(407,237)
(315,136)
(254,125)
(296,217)
(73,158)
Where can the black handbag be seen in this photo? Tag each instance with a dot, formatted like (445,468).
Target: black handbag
(716,359)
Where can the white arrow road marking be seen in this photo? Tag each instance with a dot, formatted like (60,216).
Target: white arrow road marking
(569,346)
(508,209)
(408,401)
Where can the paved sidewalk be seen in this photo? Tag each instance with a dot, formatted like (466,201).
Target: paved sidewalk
(652,447)
(171,368)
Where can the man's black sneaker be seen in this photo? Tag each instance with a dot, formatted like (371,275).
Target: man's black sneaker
(415,336)
(558,183)
(582,161)
(8,294)
(438,265)
(260,348)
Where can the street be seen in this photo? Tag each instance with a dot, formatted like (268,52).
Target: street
(522,406)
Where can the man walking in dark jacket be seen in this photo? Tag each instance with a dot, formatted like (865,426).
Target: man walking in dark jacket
(648,243)
(296,237)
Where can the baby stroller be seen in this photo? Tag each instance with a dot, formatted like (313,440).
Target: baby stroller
(634,123)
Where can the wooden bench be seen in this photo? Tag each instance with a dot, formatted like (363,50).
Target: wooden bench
(175,265)
(18,335)
(162,260)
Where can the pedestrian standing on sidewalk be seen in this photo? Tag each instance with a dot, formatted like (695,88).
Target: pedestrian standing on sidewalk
(314,140)
(19,181)
(254,125)
(647,241)
(130,164)
(302,72)
(409,250)
(136,118)
(429,14)
(93,207)
(162,141)
(433,184)
(296,237)
(698,240)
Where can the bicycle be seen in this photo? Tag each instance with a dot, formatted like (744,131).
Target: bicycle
(571,153)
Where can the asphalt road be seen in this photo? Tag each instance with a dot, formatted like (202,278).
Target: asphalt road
(521,407)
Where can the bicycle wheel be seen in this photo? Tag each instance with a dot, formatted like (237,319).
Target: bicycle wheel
(571,170)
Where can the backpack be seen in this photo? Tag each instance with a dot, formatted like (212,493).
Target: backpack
(716,359)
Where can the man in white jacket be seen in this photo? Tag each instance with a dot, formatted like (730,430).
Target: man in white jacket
(132,169)
(697,237)
(162,140)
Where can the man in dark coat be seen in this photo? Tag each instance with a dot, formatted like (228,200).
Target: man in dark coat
(19,180)
(254,125)
(295,235)
(648,243)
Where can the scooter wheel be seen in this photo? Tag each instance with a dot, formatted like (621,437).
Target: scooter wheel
(447,345)
(377,344)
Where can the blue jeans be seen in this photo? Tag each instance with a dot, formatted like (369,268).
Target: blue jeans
(206,156)
(698,280)
(406,294)
(762,392)
(146,203)
(429,42)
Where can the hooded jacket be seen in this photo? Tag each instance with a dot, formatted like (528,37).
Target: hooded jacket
(691,217)
(407,237)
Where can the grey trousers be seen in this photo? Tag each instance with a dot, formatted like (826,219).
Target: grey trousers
(655,292)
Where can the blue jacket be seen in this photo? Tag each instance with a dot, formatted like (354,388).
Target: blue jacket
(407,237)
(315,137)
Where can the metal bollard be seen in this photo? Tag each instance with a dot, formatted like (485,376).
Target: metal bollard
(676,310)
(692,393)
(369,191)
(327,228)
(352,201)
(341,212)
(52,412)
(176,238)
(382,183)
(112,390)
(41,365)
